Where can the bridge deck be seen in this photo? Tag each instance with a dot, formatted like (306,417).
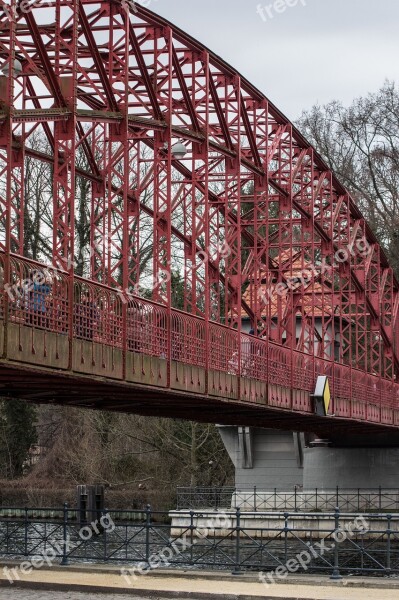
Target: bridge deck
(76,342)
(101,376)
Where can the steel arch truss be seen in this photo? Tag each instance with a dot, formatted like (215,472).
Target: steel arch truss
(250,221)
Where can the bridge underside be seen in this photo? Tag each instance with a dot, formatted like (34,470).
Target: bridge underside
(101,378)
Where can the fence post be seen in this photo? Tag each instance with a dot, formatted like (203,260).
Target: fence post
(64,561)
(147,533)
(295,491)
(389,532)
(255,498)
(191,536)
(105,512)
(379,498)
(336,574)
(337,503)
(26,532)
(286,515)
(238,536)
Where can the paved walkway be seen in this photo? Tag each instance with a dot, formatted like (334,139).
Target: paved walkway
(94,582)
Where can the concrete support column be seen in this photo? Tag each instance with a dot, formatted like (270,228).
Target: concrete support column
(264,458)
(350,468)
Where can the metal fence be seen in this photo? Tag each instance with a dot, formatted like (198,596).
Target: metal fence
(204,497)
(332,543)
(296,499)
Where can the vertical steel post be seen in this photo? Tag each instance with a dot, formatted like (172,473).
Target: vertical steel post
(147,533)
(389,534)
(64,561)
(191,536)
(105,512)
(238,540)
(336,576)
(286,530)
(26,533)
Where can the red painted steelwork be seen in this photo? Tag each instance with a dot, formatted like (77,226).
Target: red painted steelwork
(250,221)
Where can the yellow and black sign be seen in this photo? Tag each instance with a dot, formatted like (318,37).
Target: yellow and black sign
(322,396)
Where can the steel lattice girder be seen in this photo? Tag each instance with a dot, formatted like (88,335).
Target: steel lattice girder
(119,88)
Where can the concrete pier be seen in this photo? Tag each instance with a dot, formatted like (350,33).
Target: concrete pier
(267,458)
(288,462)
(328,467)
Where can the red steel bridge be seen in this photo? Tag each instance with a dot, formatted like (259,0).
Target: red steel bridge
(180,208)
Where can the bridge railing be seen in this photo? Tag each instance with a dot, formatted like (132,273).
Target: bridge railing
(146,327)
(223,349)
(49,299)
(254,358)
(97,314)
(38,296)
(303,375)
(280,365)
(188,343)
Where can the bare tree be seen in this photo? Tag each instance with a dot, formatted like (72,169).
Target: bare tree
(361,144)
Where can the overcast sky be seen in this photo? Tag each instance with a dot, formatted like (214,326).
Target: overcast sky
(325,50)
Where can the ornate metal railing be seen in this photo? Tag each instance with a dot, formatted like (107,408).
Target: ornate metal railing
(333,543)
(295,499)
(193,498)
